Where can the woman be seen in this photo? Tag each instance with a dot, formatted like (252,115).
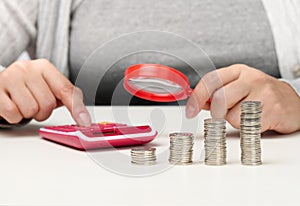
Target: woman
(251,32)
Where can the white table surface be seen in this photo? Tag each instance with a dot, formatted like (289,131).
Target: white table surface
(34,171)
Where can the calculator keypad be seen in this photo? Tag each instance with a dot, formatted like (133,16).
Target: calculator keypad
(94,128)
(99,135)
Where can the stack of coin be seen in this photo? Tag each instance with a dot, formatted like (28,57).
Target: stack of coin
(181,148)
(143,156)
(215,142)
(251,133)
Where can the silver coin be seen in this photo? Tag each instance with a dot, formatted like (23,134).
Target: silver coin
(251,133)
(143,156)
(181,148)
(215,142)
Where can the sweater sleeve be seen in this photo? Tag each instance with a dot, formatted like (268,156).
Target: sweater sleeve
(18,28)
(1,68)
(284,20)
(295,84)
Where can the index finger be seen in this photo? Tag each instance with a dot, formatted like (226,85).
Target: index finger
(66,92)
(210,83)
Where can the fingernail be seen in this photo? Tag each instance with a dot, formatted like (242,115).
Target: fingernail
(85,119)
(191,109)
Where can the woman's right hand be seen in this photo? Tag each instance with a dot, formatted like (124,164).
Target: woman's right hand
(33,89)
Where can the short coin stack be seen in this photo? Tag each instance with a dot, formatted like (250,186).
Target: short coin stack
(251,133)
(181,148)
(215,142)
(143,156)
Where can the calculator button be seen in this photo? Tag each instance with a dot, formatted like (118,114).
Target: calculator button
(62,128)
(92,130)
(105,123)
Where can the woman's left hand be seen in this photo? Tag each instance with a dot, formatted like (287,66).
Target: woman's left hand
(228,87)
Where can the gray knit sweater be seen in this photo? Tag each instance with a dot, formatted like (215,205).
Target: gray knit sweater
(42,28)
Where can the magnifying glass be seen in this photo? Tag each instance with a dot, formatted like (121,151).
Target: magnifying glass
(157,83)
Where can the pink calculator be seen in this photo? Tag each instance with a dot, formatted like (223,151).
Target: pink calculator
(99,135)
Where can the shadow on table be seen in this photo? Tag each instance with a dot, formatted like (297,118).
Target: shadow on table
(109,149)
(265,135)
(105,149)
(20,132)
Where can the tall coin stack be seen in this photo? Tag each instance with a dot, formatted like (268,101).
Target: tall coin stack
(251,133)
(143,156)
(215,142)
(181,148)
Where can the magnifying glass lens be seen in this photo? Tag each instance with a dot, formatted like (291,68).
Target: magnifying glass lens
(155,85)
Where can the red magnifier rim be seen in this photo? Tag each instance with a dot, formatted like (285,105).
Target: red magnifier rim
(157,71)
